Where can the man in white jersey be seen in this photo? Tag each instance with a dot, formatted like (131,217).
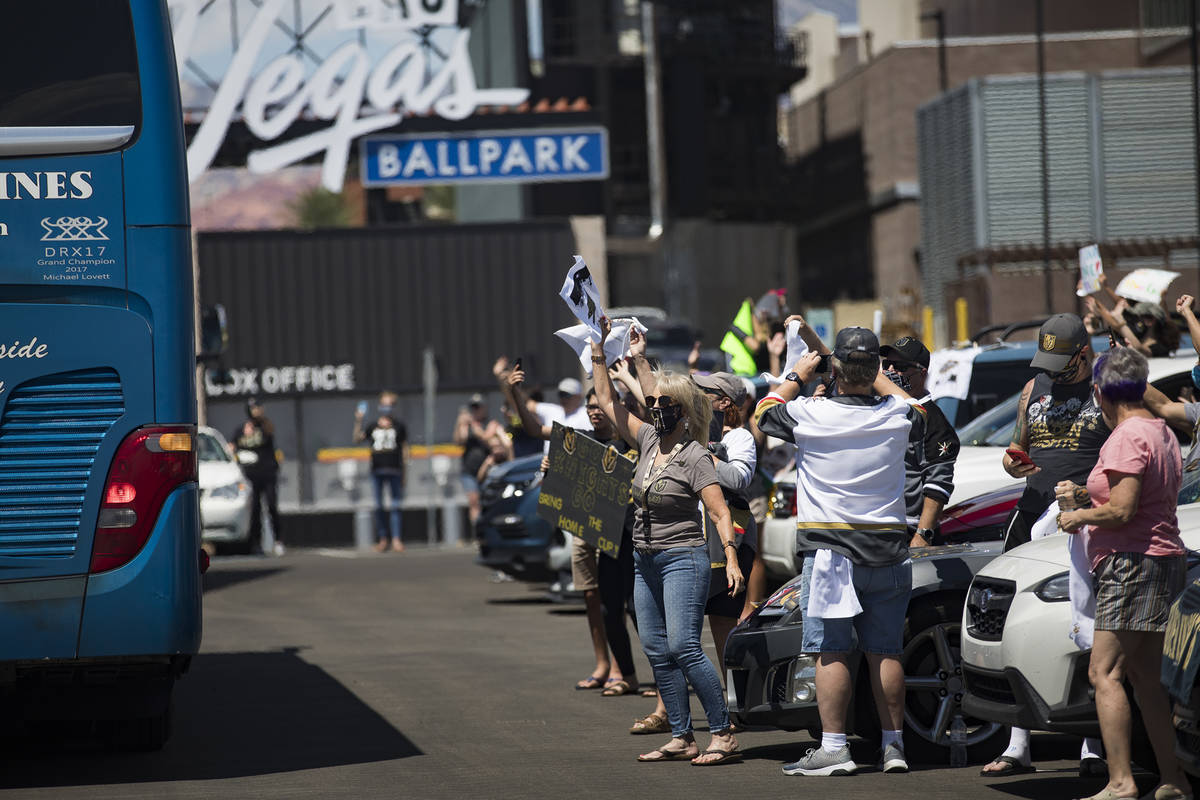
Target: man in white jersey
(851,512)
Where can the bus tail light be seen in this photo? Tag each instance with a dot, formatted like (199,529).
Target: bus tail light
(150,463)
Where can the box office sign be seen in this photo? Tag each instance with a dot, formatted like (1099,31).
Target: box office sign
(586,490)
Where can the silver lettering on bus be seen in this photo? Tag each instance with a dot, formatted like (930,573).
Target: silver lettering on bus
(45,185)
(18,350)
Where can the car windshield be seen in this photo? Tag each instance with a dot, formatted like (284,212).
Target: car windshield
(669,336)
(209,449)
(992,428)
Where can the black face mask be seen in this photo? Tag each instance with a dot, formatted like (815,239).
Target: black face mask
(665,419)
(716,428)
(898,379)
(1066,372)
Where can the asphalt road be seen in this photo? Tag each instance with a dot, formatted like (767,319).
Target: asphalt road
(412,675)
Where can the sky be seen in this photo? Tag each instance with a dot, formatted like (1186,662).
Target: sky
(791,11)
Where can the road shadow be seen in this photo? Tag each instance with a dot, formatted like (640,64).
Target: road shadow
(217,579)
(235,715)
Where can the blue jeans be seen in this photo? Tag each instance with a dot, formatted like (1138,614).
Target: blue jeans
(883,592)
(669,592)
(394,481)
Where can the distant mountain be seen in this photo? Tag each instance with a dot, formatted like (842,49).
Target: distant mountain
(233,198)
(789,12)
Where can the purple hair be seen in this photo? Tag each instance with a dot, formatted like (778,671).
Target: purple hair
(1121,375)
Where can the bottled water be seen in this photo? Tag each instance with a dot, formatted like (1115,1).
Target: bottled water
(958,742)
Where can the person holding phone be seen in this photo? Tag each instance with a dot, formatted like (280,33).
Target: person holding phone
(1058,437)
(388,439)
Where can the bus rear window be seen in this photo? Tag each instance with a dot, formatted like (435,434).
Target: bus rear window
(69,64)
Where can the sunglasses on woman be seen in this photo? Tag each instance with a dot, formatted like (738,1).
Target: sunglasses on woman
(662,401)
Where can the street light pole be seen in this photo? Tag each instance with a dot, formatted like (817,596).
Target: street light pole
(1041,68)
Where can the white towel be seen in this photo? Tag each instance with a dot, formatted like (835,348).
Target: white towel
(796,347)
(1083,598)
(579,339)
(831,592)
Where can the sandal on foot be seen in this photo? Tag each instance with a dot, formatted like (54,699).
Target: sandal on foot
(726,757)
(667,755)
(651,724)
(617,688)
(1011,766)
(590,682)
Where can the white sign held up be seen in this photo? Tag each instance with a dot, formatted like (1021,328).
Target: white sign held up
(1090,270)
(1146,285)
(580,294)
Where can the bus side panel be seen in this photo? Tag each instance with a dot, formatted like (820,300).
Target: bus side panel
(157,193)
(41,618)
(150,606)
(160,266)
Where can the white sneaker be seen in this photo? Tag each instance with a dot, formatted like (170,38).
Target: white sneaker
(279,549)
(891,759)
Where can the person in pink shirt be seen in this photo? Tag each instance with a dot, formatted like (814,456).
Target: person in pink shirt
(1138,568)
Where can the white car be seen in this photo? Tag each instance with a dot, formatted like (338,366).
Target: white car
(1019,665)
(225,494)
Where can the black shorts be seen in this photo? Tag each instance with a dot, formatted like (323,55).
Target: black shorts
(721,604)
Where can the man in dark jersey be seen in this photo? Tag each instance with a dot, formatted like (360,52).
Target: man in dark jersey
(1059,425)
(1060,428)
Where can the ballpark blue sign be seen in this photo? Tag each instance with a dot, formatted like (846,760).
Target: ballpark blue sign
(545,154)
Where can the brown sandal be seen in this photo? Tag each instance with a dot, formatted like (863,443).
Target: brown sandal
(617,688)
(651,724)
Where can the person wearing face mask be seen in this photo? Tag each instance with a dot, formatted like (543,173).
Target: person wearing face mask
(1061,430)
(932,444)
(671,561)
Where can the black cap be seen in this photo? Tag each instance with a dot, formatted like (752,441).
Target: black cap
(1059,339)
(908,350)
(858,342)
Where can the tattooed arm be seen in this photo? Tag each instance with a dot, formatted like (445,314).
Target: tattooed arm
(1020,439)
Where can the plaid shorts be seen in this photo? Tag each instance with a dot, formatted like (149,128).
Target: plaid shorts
(1134,591)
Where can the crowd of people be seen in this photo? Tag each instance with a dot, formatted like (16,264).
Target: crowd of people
(1092,441)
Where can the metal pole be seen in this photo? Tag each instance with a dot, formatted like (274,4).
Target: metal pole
(1041,68)
(1195,116)
(654,124)
(430,378)
(943,72)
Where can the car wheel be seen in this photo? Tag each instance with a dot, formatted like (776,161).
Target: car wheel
(934,685)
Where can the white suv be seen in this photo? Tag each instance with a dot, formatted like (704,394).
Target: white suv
(1019,666)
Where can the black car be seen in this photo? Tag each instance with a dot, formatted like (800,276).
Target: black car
(772,683)
(512,537)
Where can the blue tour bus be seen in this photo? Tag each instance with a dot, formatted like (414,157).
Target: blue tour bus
(99,524)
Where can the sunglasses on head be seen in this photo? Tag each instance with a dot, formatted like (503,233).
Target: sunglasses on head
(662,401)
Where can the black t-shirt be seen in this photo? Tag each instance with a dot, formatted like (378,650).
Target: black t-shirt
(475,452)
(255,449)
(1066,432)
(387,445)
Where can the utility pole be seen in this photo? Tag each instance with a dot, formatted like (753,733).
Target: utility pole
(1041,68)
(654,124)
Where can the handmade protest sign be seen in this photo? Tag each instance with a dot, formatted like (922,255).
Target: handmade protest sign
(1090,270)
(581,295)
(586,490)
(1146,285)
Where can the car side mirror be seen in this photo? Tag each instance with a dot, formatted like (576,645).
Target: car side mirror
(214,333)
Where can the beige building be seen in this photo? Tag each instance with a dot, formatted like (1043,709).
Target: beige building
(852,139)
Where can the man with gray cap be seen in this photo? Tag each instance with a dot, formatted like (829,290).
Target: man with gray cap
(1059,426)
(851,512)
(1060,430)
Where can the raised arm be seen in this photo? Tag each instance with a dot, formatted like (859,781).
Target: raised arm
(808,335)
(358,435)
(645,375)
(620,371)
(517,399)
(1163,407)
(606,396)
(1184,306)
(1117,324)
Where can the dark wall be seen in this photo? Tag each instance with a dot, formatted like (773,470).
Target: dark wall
(376,297)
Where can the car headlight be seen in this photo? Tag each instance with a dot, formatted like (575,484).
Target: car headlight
(230,491)
(802,679)
(517,488)
(507,521)
(1055,590)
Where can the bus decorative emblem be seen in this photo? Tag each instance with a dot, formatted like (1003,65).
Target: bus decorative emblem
(75,229)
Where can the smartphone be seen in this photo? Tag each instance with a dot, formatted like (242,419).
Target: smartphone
(516,364)
(362,406)
(823,364)
(1020,456)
